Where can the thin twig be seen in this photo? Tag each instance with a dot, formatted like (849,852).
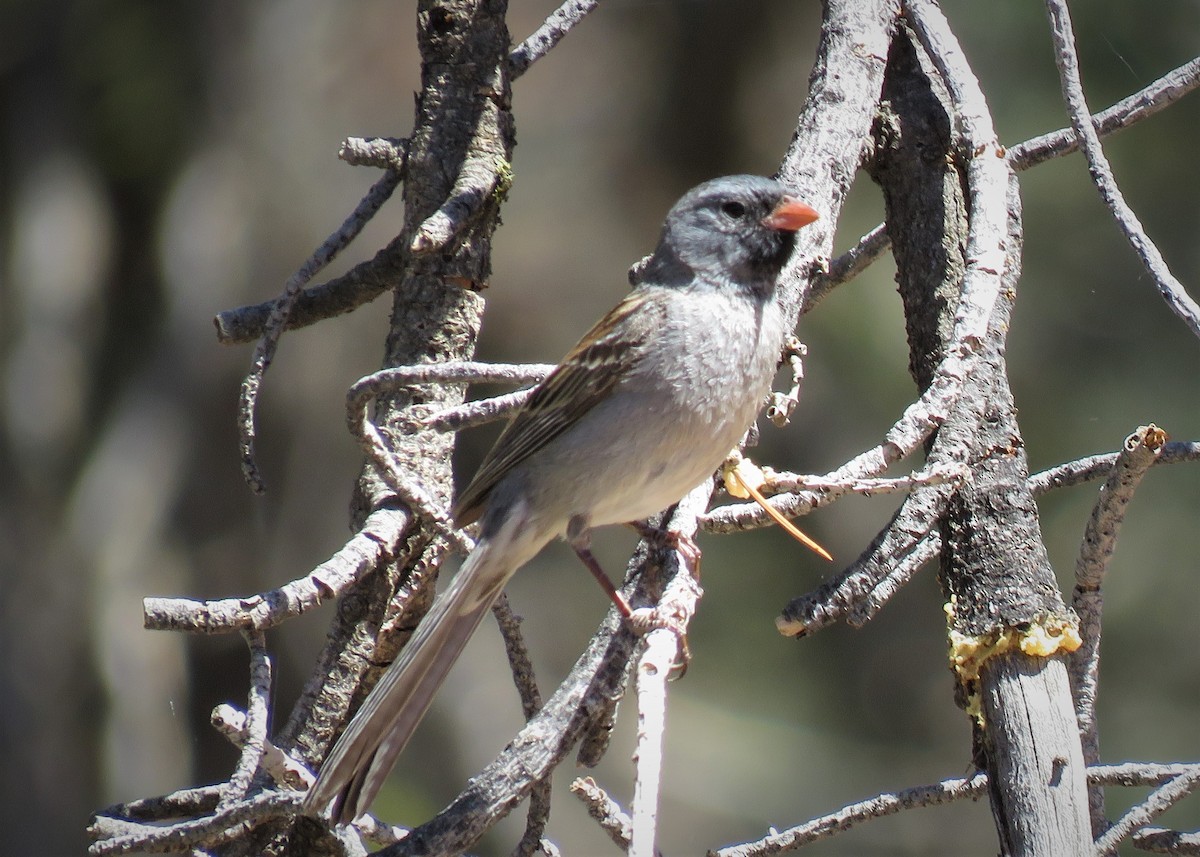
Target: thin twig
(1155,804)
(888,803)
(478,412)
(210,830)
(382,152)
(1160,841)
(664,646)
(1128,111)
(278,765)
(518,656)
(1099,541)
(1096,466)
(545,37)
(903,543)
(380,539)
(800,494)
(948,473)
(366,389)
(533,838)
(450,372)
(783,405)
(604,811)
(258,712)
(180,804)
(531,703)
(1171,290)
(848,265)
(345,293)
(1129,774)
(264,352)
(371,441)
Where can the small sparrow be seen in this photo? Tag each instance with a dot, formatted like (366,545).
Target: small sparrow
(648,404)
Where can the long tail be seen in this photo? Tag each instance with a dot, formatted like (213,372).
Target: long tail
(364,755)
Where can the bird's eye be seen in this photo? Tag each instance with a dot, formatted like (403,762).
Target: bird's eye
(734,209)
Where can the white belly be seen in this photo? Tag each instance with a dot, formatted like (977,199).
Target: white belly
(667,428)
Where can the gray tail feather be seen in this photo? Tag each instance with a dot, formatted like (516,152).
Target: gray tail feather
(364,755)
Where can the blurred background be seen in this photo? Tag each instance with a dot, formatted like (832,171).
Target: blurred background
(160,162)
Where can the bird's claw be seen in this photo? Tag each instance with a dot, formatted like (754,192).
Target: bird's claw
(643,620)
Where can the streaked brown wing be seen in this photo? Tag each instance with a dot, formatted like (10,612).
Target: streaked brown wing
(570,391)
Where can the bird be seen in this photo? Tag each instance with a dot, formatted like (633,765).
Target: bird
(646,406)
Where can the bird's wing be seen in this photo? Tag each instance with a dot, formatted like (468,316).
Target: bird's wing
(585,377)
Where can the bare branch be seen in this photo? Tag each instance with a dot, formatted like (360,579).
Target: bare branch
(948,473)
(1099,541)
(518,656)
(903,544)
(803,493)
(557,25)
(1128,111)
(663,647)
(360,285)
(380,539)
(1132,774)
(848,265)
(184,802)
(1095,466)
(258,713)
(450,372)
(477,413)
(604,810)
(1155,804)
(901,571)
(1160,841)
(276,322)
(278,765)
(654,667)
(531,704)
(888,803)
(1171,290)
(382,152)
(782,405)
(532,840)
(372,443)
(208,831)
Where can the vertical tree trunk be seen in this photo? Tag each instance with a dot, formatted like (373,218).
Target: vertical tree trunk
(463,123)
(1001,591)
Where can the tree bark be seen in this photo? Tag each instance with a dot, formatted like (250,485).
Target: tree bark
(995,573)
(463,126)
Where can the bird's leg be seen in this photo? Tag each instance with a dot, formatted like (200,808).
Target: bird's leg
(686,545)
(647,619)
(580,540)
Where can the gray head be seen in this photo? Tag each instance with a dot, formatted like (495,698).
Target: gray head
(737,228)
